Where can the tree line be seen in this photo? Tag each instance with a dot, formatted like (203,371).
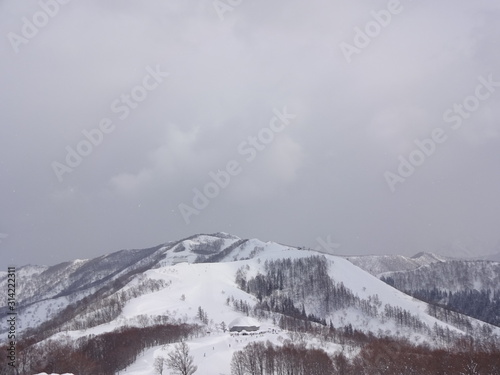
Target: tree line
(286,280)
(480,304)
(377,356)
(104,354)
(468,287)
(258,358)
(289,285)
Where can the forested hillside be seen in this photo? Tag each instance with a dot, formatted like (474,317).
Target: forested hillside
(468,287)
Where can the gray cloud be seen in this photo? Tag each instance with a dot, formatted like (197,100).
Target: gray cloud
(321,176)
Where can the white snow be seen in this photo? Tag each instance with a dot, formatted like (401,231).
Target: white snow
(210,285)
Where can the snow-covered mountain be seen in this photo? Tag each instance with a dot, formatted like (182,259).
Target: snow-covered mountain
(380,264)
(202,283)
(44,291)
(468,286)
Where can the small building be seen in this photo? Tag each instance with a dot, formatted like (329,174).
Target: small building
(244,323)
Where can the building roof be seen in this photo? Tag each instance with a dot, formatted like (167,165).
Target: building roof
(244,321)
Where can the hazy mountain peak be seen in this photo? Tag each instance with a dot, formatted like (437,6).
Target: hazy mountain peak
(427,257)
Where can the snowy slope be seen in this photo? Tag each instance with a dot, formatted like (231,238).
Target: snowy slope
(182,287)
(43,291)
(208,285)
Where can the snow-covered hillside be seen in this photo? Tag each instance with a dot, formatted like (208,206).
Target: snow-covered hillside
(43,292)
(210,285)
(210,280)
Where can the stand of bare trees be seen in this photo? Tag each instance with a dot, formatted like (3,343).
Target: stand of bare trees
(266,359)
(377,357)
(104,354)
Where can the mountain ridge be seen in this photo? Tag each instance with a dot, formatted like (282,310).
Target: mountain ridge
(206,279)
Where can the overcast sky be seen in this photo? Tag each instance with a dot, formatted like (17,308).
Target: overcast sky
(303,111)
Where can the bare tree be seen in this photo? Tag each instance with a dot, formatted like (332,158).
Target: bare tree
(238,365)
(158,364)
(180,360)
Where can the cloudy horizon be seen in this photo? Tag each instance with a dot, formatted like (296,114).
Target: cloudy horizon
(373,125)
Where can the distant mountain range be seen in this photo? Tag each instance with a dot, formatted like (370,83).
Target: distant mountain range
(380,264)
